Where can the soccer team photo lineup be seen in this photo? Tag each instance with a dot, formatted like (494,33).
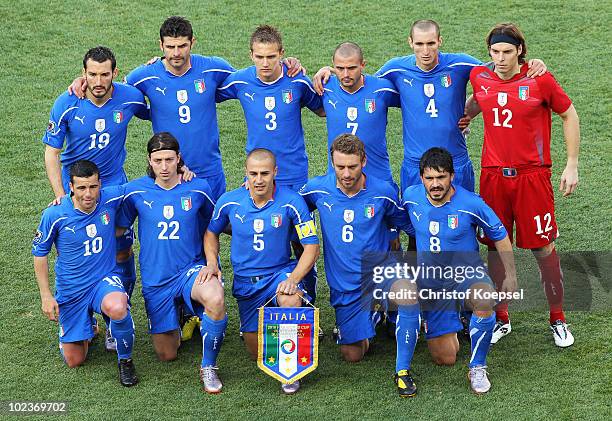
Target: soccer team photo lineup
(426,255)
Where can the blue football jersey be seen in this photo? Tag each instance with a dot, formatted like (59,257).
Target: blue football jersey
(185,106)
(354,225)
(85,242)
(452,226)
(261,237)
(274,118)
(364,114)
(96,133)
(169,225)
(432,103)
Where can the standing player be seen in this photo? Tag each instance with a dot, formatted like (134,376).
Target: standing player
(95,128)
(356,212)
(357,103)
(445,217)
(432,87)
(516,162)
(272,102)
(82,227)
(170,212)
(263,218)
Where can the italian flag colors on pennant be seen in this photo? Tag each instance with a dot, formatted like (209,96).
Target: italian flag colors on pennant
(288,342)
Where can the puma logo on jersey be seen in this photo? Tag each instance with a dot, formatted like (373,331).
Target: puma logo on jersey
(333,104)
(163,91)
(328,205)
(241,218)
(251,96)
(545,236)
(149,204)
(71,229)
(417,216)
(409,82)
(81,119)
(486,90)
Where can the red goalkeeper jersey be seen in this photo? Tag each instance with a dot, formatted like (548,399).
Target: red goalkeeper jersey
(516,114)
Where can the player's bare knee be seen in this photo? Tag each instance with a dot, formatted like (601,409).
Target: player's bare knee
(166,354)
(542,252)
(289,300)
(351,354)
(74,359)
(480,298)
(123,255)
(445,359)
(405,293)
(116,309)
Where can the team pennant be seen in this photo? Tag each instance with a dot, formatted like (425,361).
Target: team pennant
(288,342)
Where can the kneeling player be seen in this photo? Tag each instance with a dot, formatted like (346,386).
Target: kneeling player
(82,227)
(445,218)
(263,217)
(354,220)
(170,212)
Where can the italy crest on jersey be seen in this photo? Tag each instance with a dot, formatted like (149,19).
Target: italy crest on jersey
(287,96)
(182,96)
(258,225)
(288,342)
(168,211)
(370,105)
(186,203)
(523,92)
(429,89)
(446,81)
(276,220)
(502,98)
(349,215)
(434,227)
(270,103)
(117,116)
(100,125)
(351,113)
(91,230)
(369,211)
(199,85)
(105,218)
(453,221)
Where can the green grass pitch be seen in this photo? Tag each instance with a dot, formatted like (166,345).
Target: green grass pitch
(44,42)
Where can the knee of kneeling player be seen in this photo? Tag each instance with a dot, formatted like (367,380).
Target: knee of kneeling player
(74,360)
(214,305)
(351,355)
(289,300)
(115,309)
(166,355)
(445,359)
(123,255)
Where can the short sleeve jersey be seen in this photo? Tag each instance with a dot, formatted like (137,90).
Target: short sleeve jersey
(352,226)
(185,106)
(85,242)
(96,133)
(168,225)
(517,116)
(432,103)
(261,237)
(364,114)
(273,117)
